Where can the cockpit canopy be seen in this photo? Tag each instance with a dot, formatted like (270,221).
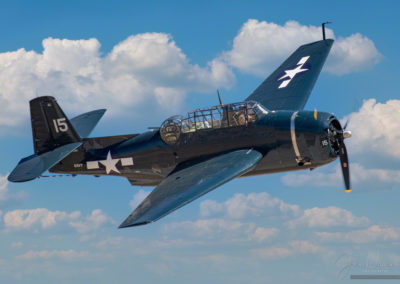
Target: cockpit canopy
(221,116)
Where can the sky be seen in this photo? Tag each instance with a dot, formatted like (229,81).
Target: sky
(147,60)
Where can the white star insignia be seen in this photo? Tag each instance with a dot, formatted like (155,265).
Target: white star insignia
(290,74)
(110,164)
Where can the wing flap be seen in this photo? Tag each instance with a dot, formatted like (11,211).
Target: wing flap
(189,183)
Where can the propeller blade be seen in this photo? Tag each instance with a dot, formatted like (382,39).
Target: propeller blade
(347,123)
(344,162)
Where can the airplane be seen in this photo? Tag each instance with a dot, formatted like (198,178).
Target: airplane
(190,155)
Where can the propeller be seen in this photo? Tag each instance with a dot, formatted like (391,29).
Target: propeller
(346,123)
(337,137)
(344,162)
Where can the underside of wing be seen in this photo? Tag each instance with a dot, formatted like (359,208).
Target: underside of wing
(290,85)
(190,182)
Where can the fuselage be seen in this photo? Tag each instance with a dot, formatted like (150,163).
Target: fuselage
(288,140)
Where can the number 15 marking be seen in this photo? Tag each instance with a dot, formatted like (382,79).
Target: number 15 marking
(60,124)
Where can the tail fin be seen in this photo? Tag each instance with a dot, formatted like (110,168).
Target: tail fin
(50,127)
(54,138)
(290,85)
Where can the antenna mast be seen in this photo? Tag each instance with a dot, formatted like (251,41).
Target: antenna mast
(323,29)
(219,98)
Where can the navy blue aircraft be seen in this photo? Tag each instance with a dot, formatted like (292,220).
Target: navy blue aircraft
(190,155)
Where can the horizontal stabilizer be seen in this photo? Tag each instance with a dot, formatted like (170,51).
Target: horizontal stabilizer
(85,123)
(33,166)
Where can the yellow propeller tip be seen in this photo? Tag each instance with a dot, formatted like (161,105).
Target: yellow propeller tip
(348,190)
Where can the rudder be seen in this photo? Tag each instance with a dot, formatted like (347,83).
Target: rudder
(50,126)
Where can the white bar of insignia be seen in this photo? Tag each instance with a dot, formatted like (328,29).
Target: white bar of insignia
(92,165)
(127,161)
(303,60)
(284,84)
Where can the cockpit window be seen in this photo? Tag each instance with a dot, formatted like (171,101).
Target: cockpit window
(230,115)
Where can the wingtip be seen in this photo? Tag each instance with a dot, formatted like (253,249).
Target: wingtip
(126,225)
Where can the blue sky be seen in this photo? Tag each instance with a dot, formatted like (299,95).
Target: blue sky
(149,60)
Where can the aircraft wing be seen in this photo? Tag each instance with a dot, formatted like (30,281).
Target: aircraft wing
(289,86)
(191,182)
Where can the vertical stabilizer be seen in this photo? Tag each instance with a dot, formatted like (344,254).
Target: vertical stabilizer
(50,126)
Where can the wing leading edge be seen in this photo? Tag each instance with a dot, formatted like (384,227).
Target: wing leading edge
(189,183)
(290,85)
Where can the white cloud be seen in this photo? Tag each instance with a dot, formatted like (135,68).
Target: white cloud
(222,229)
(92,222)
(305,247)
(327,217)
(376,129)
(43,219)
(352,54)
(210,227)
(261,234)
(36,218)
(150,68)
(260,47)
(49,254)
(272,252)
(143,67)
(372,234)
(294,247)
(5,195)
(138,198)
(317,177)
(253,204)
(333,177)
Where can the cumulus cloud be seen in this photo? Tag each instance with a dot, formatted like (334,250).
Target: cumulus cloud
(49,254)
(260,47)
(294,247)
(376,129)
(210,227)
(272,252)
(218,228)
(371,234)
(261,234)
(150,68)
(333,177)
(43,219)
(327,217)
(352,54)
(36,218)
(143,67)
(92,222)
(6,196)
(251,205)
